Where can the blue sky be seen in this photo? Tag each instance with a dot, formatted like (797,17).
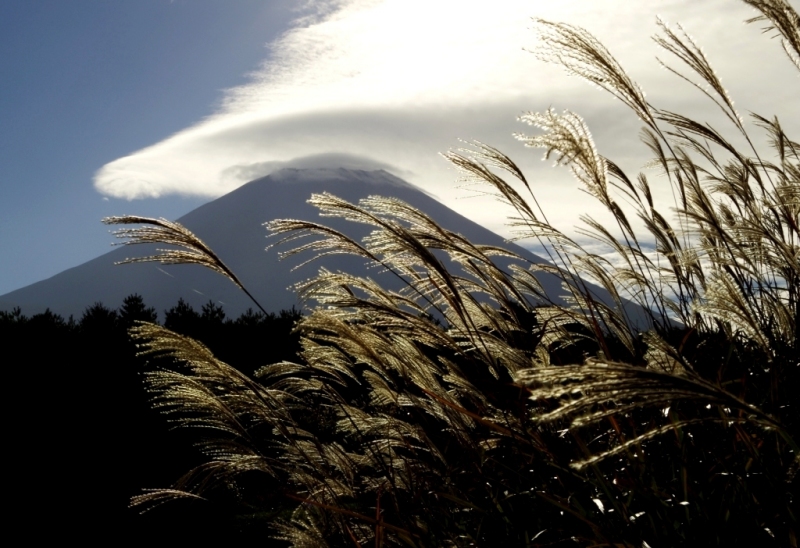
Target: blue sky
(87,81)
(153,107)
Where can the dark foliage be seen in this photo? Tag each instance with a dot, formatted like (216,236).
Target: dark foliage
(87,429)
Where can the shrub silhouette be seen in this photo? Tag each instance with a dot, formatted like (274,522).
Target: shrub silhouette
(522,421)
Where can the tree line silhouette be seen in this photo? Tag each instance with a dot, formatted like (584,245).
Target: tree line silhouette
(84,438)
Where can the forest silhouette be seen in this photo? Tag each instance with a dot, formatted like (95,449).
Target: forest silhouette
(85,438)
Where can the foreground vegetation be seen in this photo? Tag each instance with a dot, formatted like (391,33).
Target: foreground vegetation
(429,417)
(84,440)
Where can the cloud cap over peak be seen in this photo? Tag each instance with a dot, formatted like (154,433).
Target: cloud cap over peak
(399,81)
(328,160)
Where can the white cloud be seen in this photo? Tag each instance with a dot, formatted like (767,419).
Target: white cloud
(398,81)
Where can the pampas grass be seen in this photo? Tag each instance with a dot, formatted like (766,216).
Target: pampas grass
(469,408)
(191,249)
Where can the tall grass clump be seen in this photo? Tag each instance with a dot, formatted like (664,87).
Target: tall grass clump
(469,408)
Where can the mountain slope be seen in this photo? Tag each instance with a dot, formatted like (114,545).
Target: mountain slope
(232,226)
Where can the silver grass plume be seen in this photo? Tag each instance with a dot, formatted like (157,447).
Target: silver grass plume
(213,395)
(783,19)
(162,231)
(595,390)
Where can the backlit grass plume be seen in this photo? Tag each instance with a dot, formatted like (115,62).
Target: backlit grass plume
(191,249)
(471,408)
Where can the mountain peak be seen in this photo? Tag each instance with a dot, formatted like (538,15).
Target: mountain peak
(232,226)
(333,175)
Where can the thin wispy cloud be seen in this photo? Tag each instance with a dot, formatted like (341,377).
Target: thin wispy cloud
(398,81)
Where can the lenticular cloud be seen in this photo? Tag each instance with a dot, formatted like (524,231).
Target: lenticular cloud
(324,81)
(352,79)
(396,81)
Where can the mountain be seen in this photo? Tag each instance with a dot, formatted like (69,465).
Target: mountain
(232,226)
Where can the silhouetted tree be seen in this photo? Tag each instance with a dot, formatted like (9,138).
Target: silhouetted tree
(182,318)
(133,309)
(212,314)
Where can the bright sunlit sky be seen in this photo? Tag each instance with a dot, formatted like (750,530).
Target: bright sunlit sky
(154,107)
